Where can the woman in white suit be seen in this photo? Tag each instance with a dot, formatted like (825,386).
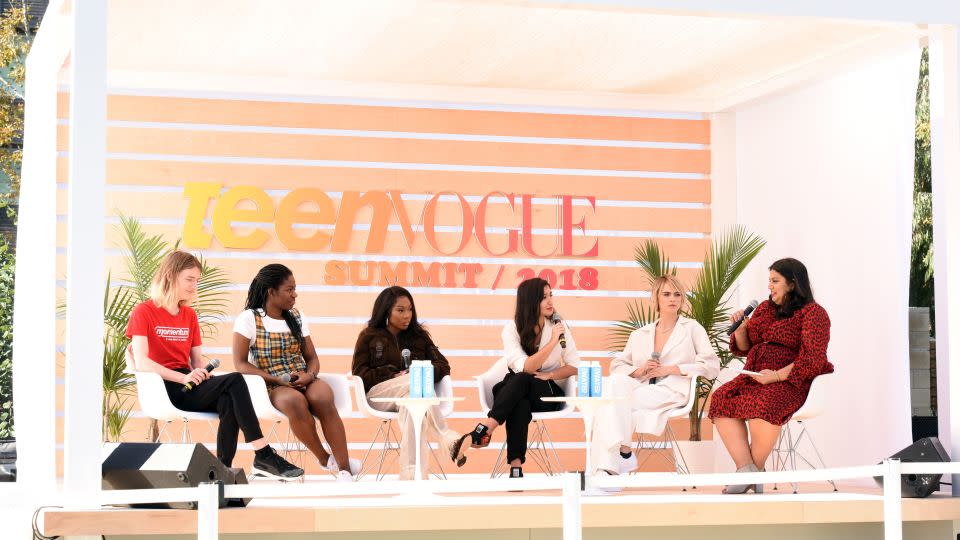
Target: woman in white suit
(653,372)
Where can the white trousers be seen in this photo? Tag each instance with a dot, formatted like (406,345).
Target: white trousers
(644,411)
(434,425)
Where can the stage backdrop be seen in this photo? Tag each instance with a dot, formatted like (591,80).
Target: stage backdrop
(458,203)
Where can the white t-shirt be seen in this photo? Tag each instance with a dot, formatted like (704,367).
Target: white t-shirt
(246,324)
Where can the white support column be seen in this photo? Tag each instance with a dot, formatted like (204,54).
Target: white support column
(34,315)
(945,163)
(85,255)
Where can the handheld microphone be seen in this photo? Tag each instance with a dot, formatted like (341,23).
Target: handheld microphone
(287,378)
(654,356)
(405,354)
(746,313)
(210,367)
(563,337)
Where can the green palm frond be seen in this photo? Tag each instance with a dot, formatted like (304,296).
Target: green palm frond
(212,301)
(653,262)
(118,302)
(143,257)
(637,316)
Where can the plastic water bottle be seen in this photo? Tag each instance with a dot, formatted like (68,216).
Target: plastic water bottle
(596,379)
(428,385)
(583,379)
(416,379)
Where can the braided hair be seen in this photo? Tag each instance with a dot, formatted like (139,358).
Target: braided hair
(270,277)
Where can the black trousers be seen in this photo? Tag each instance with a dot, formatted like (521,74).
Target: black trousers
(226,395)
(515,399)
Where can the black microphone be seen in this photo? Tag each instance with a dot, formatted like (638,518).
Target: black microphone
(746,313)
(210,367)
(563,338)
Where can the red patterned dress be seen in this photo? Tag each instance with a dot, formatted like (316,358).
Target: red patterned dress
(801,339)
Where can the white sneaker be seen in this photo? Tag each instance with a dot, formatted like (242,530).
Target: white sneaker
(334,467)
(344,476)
(629,464)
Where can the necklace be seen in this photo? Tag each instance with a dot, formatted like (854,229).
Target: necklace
(665,330)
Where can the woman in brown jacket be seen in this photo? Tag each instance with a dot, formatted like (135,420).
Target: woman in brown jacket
(392,327)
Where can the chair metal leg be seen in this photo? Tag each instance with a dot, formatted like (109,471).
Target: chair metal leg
(385,430)
(185,431)
(500,462)
(815,451)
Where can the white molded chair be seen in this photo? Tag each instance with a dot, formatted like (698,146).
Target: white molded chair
(540,446)
(668,445)
(786,452)
(155,404)
(386,431)
(265,410)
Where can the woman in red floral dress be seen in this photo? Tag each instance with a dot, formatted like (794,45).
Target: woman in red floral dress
(786,343)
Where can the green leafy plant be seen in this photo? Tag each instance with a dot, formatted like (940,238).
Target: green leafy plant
(7,270)
(728,257)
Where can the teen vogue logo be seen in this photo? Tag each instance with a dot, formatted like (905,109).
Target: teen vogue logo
(170,333)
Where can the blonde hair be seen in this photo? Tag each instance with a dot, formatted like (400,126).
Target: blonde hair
(673,282)
(163,289)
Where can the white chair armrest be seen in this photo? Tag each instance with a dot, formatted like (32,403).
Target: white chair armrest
(341,391)
(360,394)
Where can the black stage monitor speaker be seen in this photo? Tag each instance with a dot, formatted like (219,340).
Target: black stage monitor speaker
(923,451)
(155,465)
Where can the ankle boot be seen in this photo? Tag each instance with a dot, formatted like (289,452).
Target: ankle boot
(736,489)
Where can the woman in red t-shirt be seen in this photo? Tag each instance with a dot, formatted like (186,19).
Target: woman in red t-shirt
(166,340)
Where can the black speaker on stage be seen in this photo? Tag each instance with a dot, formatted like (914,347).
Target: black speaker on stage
(156,465)
(928,450)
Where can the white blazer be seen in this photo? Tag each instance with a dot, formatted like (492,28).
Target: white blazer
(514,355)
(688,348)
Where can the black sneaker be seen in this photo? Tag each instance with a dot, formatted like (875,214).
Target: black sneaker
(274,466)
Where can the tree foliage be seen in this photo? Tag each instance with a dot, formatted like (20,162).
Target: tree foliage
(921,252)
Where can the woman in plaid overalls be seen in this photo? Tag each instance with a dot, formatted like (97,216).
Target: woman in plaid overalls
(270,339)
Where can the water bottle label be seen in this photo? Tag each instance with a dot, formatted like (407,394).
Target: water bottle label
(416,380)
(583,380)
(596,380)
(428,384)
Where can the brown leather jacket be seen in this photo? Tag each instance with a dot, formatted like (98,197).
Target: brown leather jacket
(376,357)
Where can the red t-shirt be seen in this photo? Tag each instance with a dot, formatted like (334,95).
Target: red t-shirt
(169,337)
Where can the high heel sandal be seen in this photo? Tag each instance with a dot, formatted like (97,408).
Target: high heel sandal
(479,438)
(737,489)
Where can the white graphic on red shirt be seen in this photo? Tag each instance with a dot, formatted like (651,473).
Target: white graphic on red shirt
(172,333)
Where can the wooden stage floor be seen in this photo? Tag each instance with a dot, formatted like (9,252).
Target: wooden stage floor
(815,504)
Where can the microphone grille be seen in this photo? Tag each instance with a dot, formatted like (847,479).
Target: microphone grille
(405,353)
(285,378)
(555,318)
(655,355)
(215,362)
(754,304)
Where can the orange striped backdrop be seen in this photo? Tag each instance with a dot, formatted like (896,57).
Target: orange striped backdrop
(648,175)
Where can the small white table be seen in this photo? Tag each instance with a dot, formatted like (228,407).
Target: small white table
(588,407)
(417,408)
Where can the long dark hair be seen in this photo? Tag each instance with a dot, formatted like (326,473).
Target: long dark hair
(383,305)
(802,294)
(527,314)
(269,277)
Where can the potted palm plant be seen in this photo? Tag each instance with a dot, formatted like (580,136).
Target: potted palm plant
(727,258)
